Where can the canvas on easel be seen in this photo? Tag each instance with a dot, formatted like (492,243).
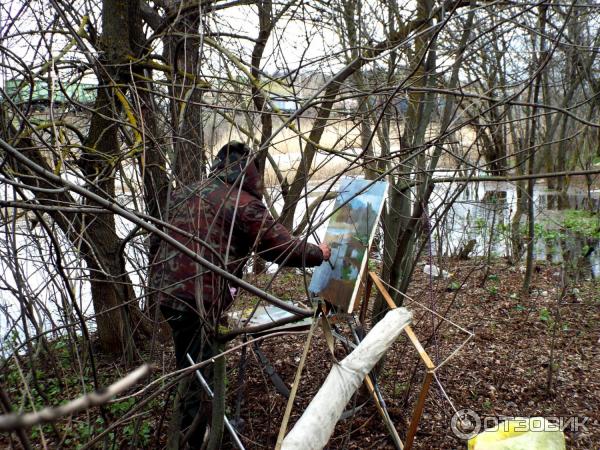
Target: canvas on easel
(350,233)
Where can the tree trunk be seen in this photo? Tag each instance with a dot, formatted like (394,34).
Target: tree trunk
(400,243)
(182,50)
(266,25)
(112,294)
(531,154)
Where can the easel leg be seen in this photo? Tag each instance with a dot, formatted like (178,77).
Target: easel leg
(414,423)
(384,414)
(416,417)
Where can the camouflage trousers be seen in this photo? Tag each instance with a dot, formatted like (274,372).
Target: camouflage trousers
(190,337)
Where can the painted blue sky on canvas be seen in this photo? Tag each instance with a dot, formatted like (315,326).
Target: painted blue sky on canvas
(349,234)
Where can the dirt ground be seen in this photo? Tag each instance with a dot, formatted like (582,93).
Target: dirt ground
(502,371)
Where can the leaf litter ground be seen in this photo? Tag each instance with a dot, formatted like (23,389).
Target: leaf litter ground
(502,371)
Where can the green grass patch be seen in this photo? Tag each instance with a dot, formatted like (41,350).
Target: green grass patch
(584,223)
(51,377)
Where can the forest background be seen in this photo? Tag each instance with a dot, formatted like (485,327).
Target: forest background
(482,116)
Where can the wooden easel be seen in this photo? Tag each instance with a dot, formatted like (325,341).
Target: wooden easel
(370,279)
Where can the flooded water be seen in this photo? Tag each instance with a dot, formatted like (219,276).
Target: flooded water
(487,208)
(28,273)
(483,212)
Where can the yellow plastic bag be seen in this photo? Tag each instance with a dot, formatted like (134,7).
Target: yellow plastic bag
(532,433)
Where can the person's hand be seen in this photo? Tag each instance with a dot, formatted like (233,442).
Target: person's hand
(326,251)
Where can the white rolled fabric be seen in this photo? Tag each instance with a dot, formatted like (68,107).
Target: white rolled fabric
(314,428)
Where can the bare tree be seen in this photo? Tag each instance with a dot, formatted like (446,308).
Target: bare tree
(108,106)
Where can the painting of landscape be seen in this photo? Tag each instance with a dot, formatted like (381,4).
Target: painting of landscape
(349,233)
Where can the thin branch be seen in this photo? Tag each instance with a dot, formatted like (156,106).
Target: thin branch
(10,422)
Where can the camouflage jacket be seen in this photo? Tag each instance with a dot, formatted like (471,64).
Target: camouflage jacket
(228,224)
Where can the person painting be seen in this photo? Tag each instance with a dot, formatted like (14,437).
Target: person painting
(224,220)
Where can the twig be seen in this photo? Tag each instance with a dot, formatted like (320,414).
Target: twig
(290,403)
(10,422)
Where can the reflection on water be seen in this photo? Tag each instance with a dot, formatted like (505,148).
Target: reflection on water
(481,210)
(487,208)
(483,213)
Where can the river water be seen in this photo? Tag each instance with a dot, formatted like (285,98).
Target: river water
(486,207)
(477,210)
(484,210)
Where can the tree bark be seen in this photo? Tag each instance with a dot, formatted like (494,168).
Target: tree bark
(328,100)
(182,49)
(96,236)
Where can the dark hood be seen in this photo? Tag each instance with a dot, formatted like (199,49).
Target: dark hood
(229,166)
